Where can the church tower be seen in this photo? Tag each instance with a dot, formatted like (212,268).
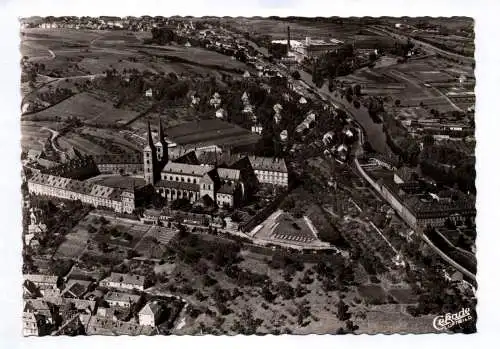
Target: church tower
(161,145)
(150,158)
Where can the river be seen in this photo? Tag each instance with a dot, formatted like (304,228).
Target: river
(373,131)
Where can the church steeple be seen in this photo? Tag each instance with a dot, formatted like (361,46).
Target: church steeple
(163,141)
(149,158)
(160,128)
(150,136)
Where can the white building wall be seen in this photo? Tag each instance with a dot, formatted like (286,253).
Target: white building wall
(146,320)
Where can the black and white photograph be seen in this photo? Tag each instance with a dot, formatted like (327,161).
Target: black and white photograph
(212,175)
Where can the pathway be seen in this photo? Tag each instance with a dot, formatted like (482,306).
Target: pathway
(55,134)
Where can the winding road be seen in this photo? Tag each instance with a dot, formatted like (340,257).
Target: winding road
(55,134)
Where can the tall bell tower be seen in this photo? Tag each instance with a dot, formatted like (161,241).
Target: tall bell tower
(150,158)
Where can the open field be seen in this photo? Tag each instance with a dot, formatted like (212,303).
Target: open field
(85,52)
(32,48)
(195,55)
(112,136)
(412,83)
(93,142)
(88,108)
(278,29)
(69,141)
(32,137)
(35,133)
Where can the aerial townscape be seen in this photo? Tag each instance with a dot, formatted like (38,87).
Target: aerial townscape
(222,175)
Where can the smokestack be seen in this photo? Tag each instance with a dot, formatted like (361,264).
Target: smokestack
(288,36)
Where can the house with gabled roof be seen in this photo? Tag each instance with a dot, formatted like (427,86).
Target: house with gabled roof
(76,288)
(150,314)
(124,281)
(43,282)
(121,299)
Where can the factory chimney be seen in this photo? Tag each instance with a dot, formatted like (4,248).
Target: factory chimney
(288,37)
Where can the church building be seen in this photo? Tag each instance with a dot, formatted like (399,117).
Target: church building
(183,177)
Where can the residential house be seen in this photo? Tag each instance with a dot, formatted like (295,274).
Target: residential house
(124,281)
(257,129)
(123,300)
(76,288)
(151,217)
(30,324)
(150,314)
(43,282)
(220,113)
(106,313)
(40,308)
(30,290)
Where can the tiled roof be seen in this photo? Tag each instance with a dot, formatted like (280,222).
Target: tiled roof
(405,173)
(137,280)
(38,305)
(179,168)
(121,297)
(188,158)
(228,173)
(438,208)
(227,189)
(152,308)
(29,317)
(50,180)
(267,164)
(39,278)
(80,304)
(177,185)
(77,186)
(129,158)
(76,287)
(212,157)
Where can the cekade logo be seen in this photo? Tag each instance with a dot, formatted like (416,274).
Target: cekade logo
(447,321)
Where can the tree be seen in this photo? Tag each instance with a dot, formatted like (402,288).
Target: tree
(278,51)
(372,57)
(236,217)
(351,327)
(342,311)
(357,90)
(162,36)
(296,75)
(330,85)
(428,140)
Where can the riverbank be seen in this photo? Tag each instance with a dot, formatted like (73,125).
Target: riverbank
(374,132)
